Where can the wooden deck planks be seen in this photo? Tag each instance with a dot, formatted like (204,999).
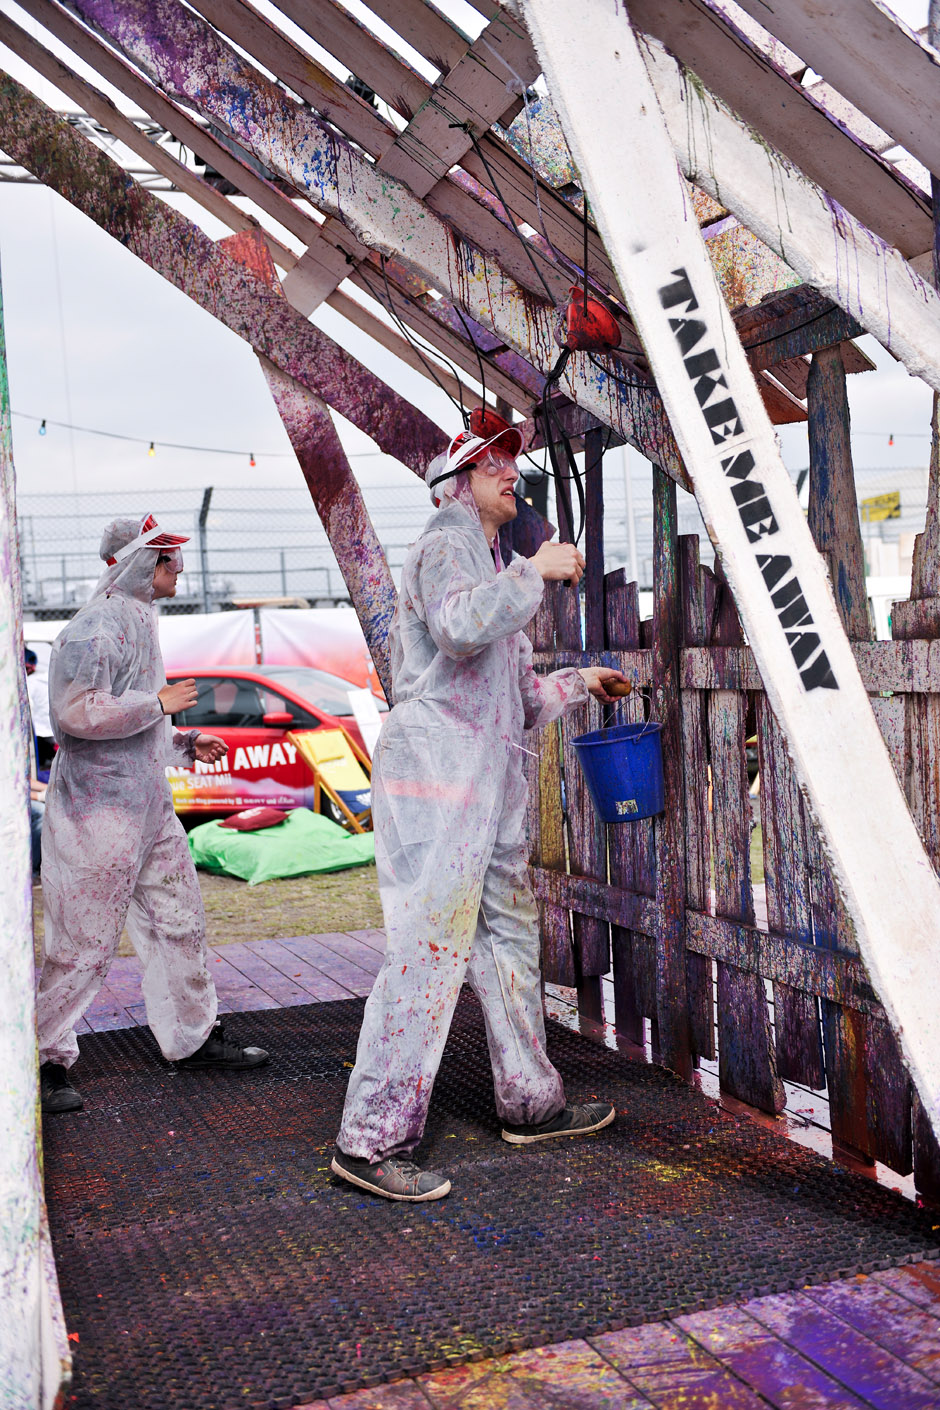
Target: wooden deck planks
(671,1369)
(756,1356)
(920,1284)
(851,1357)
(885,1317)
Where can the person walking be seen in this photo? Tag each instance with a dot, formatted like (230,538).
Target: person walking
(113,850)
(448,804)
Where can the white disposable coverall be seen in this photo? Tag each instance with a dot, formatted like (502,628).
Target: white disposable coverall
(112,848)
(448,805)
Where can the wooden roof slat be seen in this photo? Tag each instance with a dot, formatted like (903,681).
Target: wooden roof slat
(471,94)
(421,322)
(156,104)
(330,98)
(785,115)
(352,310)
(101,108)
(429,33)
(162,238)
(365,55)
(793,374)
(874,61)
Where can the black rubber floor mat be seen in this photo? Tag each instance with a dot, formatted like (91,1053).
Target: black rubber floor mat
(209,1260)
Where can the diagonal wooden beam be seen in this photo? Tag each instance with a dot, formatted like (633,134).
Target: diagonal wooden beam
(176,248)
(180,53)
(701,37)
(330,480)
(828,247)
(114,70)
(866,54)
(749,503)
(103,110)
(436,138)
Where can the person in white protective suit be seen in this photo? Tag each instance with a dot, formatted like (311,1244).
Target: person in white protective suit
(448,805)
(113,850)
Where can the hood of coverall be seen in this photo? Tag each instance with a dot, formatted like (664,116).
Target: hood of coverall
(132,576)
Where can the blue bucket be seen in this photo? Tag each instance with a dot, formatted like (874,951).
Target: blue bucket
(623,767)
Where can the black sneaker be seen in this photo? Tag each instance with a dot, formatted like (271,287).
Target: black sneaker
(570,1121)
(395,1177)
(56,1092)
(219,1051)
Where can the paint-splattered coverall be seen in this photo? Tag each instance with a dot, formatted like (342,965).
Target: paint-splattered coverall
(449,804)
(112,847)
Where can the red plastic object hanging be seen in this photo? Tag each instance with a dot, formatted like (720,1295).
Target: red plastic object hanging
(587,325)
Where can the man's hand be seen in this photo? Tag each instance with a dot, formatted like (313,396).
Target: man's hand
(178,696)
(559,562)
(597,677)
(209,748)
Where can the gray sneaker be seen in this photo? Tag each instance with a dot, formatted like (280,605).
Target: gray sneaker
(395,1177)
(570,1121)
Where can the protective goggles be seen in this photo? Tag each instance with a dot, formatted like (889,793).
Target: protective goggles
(467,452)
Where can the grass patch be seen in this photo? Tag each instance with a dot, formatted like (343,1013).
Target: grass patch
(297,905)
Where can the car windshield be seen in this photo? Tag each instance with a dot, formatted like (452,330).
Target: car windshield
(327,692)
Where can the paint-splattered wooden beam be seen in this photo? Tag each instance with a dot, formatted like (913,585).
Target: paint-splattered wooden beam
(30,1348)
(182,54)
(465,101)
(771,102)
(330,480)
(176,248)
(823,242)
(198,138)
(871,58)
(100,107)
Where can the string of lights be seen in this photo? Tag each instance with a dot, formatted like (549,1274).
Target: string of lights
(44,423)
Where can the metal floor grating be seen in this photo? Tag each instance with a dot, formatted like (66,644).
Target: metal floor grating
(208,1259)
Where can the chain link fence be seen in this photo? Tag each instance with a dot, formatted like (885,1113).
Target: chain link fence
(267,545)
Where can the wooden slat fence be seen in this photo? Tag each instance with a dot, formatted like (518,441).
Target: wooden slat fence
(666,907)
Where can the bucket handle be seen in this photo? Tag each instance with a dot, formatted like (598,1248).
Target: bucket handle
(646,695)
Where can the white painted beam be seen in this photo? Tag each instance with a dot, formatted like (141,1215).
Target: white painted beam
(827,246)
(625,155)
(703,38)
(877,63)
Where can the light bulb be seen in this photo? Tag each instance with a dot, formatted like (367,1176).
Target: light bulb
(42,429)
(151,452)
(251,460)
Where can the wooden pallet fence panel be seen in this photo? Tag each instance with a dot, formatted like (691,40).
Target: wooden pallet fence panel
(922,735)
(746,1058)
(698,600)
(629,845)
(869,1096)
(672,1001)
(587,843)
(796,1013)
(557,951)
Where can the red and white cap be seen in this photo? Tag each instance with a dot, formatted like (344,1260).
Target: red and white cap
(150,536)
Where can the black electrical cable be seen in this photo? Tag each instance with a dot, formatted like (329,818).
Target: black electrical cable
(512,219)
(622,381)
(411,339)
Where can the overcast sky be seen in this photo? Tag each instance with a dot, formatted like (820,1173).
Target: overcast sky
(96,339)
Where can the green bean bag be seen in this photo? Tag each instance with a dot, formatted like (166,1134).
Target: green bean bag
(304,842)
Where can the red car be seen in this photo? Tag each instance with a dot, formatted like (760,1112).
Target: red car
(253,710)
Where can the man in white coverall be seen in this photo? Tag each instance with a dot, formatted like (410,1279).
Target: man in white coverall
(113,850)
(448,806)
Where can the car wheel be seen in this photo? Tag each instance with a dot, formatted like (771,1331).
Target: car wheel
(328,809)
